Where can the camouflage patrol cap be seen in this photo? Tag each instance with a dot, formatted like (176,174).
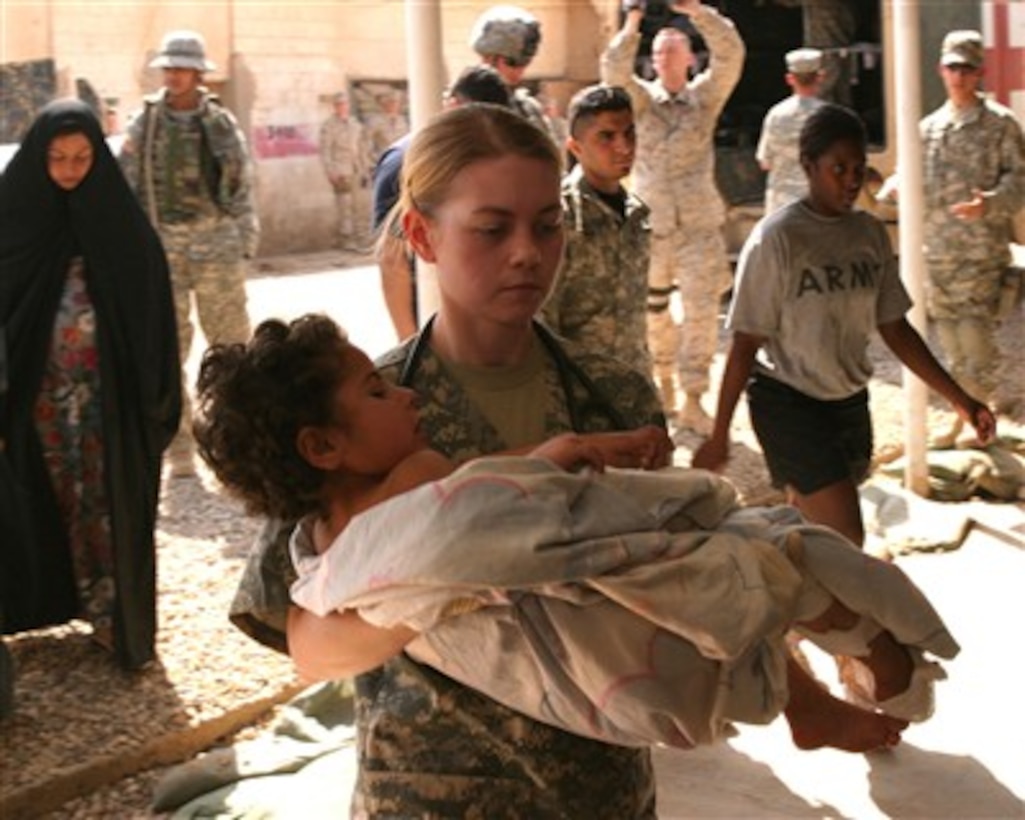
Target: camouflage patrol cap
(963,47)
(804,60)
(506,31)
(182,49)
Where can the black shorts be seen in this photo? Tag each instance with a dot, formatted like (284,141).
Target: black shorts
(810,443)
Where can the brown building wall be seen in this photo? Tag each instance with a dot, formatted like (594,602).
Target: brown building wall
(277,65)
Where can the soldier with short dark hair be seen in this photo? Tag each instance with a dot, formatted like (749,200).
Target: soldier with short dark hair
(186,157)
(600,295)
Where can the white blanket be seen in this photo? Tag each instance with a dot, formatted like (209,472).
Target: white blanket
(631,607)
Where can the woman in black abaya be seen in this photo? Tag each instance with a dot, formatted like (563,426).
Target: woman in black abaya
(93,388)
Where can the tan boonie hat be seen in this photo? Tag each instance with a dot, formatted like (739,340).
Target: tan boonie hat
(804,60)
(182,49)
(963,47)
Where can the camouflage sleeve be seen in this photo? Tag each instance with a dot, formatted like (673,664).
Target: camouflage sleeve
(367,153)
(329,149)
(726,61)
(128,153)
(235,194)
(1006,198)
(617,68)
(261,602)
(764,150)
(552,310)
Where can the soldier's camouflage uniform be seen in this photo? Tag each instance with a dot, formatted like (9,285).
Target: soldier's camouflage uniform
(386,129)
(193,175)
(675,175)
(600,294)
(345,153)
(981,149)
(830,26)
(778,148)
(524,104)
(427,746)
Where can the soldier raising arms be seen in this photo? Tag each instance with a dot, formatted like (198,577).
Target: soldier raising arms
(676,117)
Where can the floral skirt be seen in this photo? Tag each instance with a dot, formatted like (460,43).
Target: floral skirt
(69,420)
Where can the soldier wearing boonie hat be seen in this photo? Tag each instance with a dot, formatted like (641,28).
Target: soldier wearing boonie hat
(974,183)
(777,151)
(507,39)
(182,49)
(186,158)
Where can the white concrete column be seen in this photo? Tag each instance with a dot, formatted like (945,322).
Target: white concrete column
(426,85)
(912,260)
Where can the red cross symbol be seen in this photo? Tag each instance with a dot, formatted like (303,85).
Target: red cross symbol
(1003,25)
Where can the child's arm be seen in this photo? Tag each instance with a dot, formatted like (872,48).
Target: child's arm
(340,644)
(647,448)
(908,346)
(420,468)
(715,451)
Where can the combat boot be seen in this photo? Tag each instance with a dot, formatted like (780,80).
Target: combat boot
(693,415)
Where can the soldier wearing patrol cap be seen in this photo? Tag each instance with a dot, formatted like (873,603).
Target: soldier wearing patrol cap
(187,160)
(507,39)
(974,180)
(777,150)
(674,174)
(347,157)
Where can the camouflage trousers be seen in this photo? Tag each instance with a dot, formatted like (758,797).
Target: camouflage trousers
(205,257)
(352,212)
(345,211)
(964,301)
(697,266)
(970,347)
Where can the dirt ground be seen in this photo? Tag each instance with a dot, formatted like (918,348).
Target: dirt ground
(77,716)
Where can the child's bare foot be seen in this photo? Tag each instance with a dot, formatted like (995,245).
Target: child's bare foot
(817,719)
(888,663)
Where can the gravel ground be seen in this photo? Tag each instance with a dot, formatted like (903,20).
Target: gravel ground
(83,728)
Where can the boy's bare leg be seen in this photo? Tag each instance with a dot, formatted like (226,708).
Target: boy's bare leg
(818,719)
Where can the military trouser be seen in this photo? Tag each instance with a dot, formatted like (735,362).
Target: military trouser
(205,257)
(972,353)
(697,266)
(345,207)
(964,302)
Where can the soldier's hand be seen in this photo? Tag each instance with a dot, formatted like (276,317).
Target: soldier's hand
(971,209)
(687,7)
(634,5)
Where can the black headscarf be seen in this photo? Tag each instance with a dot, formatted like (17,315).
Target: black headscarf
(41,228)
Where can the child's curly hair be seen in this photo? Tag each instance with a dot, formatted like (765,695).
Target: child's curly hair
(255,398)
